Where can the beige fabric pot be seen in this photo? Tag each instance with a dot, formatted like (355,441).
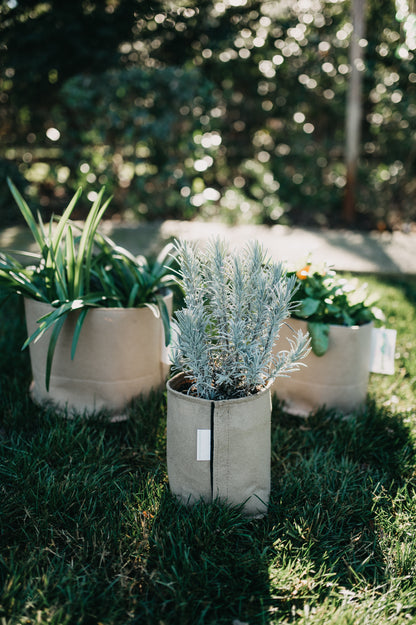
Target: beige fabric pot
(338,379)
(236,468)
(119,355)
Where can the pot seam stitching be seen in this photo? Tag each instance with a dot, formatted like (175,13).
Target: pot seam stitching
(211,464)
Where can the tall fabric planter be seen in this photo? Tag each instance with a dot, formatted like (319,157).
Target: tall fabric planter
(120,354)
(338,379)
(219,449)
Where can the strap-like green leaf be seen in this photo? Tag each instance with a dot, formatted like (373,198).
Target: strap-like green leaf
(51,349)
(27,214)
(163,261)
(132,296)
(55,320)
(47,321)
(86,244)
(59,281)
(319,333)
(154,308)
(91,239)
(164,313)
(70,262)
(56,240)
(77,330)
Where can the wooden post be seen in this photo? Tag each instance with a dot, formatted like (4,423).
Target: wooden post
(354,107)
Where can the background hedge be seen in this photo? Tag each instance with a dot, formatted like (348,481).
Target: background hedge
(223,108)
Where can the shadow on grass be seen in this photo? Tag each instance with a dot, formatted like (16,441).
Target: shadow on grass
(207,564)
(88,507)
(407,284)
(90,532)
(328,474)
(75,495)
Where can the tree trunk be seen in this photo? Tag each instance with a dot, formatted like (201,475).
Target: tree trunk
(354,107)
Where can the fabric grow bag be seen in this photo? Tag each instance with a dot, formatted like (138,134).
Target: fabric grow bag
(120,354)
(338,379)
(219,449)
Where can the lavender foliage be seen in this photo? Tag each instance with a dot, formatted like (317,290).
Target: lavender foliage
(234,307)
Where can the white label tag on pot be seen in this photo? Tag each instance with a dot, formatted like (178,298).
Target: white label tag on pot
(383,347)
(203,445)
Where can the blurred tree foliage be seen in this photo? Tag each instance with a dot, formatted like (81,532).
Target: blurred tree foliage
(218,108)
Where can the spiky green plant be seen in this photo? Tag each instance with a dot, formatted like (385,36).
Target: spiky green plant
(77,268)
(235,305)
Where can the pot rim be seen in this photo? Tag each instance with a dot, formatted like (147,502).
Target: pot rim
(217,402)
(334,325)
(121,309)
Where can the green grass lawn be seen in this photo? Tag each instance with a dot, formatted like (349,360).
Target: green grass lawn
(89,532)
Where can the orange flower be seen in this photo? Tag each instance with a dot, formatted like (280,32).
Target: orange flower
(302,274)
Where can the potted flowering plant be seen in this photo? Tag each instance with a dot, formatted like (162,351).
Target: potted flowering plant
(219,405)
(339,316)
(96,315)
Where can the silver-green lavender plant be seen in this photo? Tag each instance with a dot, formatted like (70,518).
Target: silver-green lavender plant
(234,307)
